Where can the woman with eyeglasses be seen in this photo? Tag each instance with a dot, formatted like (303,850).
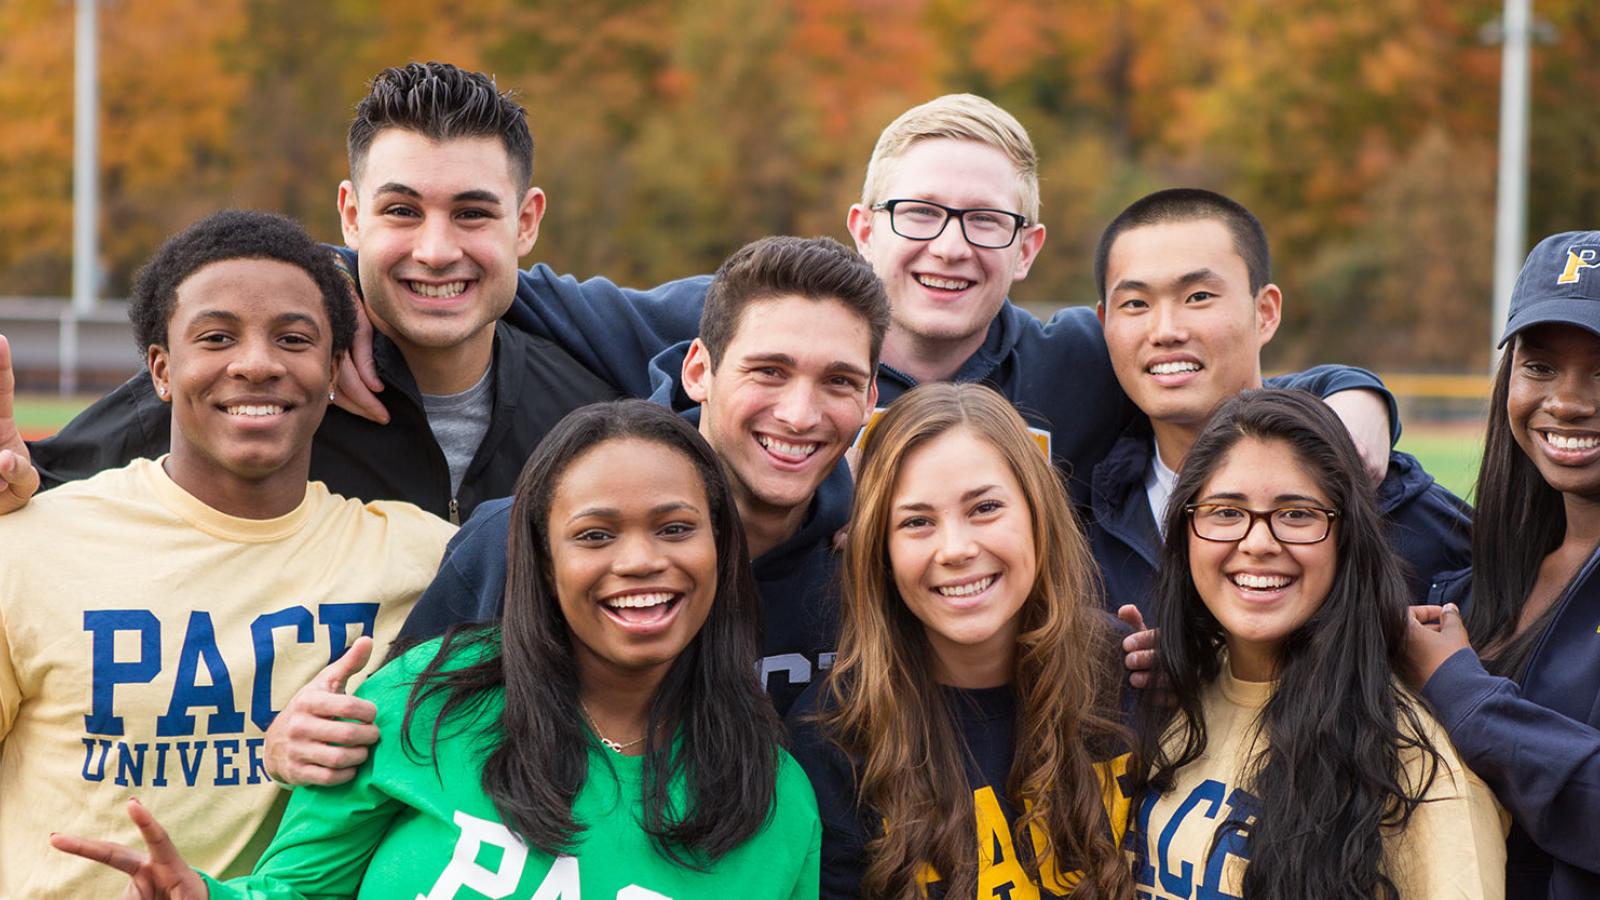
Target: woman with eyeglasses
(1522,699)
(1285,762)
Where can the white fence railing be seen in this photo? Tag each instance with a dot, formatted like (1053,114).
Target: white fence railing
(53,349)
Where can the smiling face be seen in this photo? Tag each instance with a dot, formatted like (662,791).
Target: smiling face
(1184,331)
(961,553)
(247,367)
(782,406)
(439,226)
(633,557)
(1260,590)
(1553,404)
(945,291)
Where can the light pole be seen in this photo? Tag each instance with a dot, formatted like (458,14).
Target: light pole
(1511,195)
(85,188)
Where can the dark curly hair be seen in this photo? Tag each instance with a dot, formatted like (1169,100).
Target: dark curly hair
(235,234)
(441,102)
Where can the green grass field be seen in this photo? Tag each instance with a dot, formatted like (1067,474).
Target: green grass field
(1450,452)
(41,415)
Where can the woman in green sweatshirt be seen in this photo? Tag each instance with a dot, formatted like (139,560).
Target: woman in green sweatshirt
(608,737)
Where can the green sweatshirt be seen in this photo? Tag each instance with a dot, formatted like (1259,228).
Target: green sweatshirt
(406,827)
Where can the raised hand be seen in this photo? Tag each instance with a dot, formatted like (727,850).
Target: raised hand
(310,742)
(158,873)
(18,479)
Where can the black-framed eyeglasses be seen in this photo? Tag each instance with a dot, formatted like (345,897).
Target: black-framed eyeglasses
(1223,522)
(924,220)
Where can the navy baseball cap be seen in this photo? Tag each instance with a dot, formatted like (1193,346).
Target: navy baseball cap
(1560,283)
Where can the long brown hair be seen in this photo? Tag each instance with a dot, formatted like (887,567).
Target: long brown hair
(883,709)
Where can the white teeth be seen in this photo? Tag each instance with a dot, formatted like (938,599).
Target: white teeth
(947,284)
(968,589)
(639,601)
(785,448)
(1174,368)
(1261,582)
(439,291)
(1572,441)
(254,410)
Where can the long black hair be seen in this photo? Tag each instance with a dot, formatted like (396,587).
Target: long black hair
(1338,724)
(728,734)
(1520,520)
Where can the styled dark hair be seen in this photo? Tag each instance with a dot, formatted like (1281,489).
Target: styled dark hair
(235,234)
(817,269)
(727,732)
(1338,725)
(1520,520)
(1189,205)
(441,103)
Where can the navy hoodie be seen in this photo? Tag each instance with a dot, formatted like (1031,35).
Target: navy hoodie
(1057,373)
(1536,740)
(1429,527)
(799,591)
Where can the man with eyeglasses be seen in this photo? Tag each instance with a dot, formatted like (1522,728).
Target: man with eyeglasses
(1187,303)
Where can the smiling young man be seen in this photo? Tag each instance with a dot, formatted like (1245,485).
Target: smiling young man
(1187,304)
(154,618)
(440,205)
(778,382)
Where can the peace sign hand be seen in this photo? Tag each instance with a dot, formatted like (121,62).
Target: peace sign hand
(18,479)
(160,874)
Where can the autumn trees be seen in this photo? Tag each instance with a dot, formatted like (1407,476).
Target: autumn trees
(669,133)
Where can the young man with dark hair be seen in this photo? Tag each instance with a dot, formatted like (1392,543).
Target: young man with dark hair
(440,205)
(155,617)
(1187,304)
(779,385)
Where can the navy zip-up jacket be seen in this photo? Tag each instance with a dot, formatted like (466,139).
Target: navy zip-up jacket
(1429,527)
(535,384)
(1057,373)
(799,590)
(1535,742)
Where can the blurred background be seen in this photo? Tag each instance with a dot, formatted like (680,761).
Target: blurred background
(669,133)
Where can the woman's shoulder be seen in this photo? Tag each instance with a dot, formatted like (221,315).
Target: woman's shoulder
(1451,777)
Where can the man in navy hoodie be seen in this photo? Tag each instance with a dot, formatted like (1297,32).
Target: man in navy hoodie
(779,381)
(1187,303)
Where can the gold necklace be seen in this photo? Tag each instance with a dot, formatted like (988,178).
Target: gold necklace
(610,744)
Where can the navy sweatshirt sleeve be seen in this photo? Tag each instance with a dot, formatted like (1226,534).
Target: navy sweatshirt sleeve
(1327,380)
(129,423)
(471,583)
(1543,766)
(613,331)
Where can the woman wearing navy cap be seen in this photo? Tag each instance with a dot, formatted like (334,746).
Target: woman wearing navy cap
(1524,710)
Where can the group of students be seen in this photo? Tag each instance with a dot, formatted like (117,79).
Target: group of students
(694,652)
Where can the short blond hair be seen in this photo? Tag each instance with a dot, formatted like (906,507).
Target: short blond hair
(966,117)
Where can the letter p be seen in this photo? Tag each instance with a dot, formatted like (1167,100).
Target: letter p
(464,869)
(107,672)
